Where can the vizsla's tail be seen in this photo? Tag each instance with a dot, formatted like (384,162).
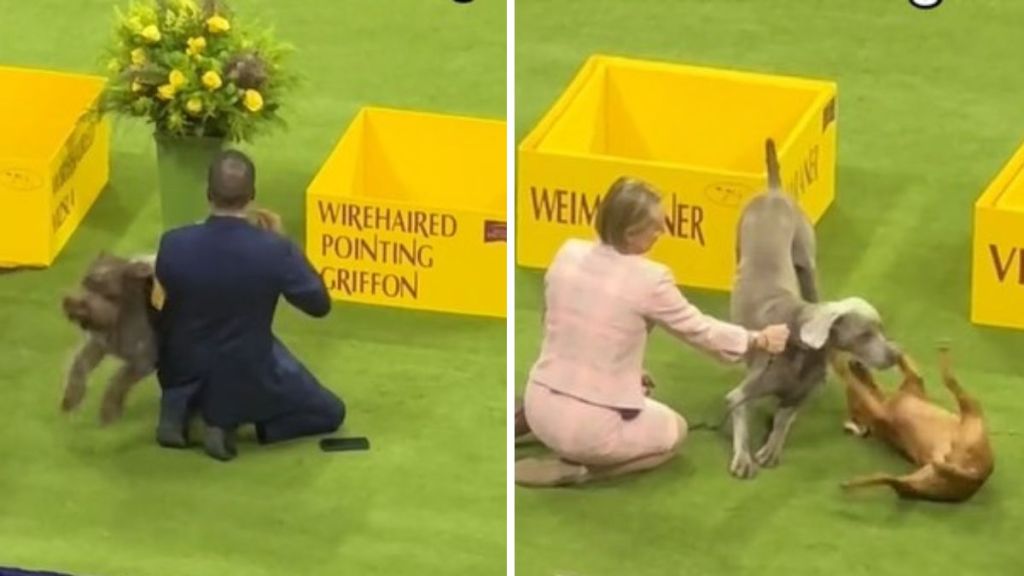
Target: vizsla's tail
(772,165)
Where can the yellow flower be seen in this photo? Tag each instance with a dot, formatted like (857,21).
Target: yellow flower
(134,24)
(136,87)
(194,106)
(114,65)
(218,24)
(166,92)
(253,100)
(196,45)
(212,80)
(151,33)
(176,79)
(138,56)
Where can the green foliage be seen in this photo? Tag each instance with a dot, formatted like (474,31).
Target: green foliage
(195,71)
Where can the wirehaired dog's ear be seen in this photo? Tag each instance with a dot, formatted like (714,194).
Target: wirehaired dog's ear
(138,270)
(267,220)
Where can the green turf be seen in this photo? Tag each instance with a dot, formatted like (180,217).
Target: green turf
(929,110)
(428,389)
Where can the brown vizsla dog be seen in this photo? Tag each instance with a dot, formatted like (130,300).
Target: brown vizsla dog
(952,451)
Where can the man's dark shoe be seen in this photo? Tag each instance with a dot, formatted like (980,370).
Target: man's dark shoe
(220,443)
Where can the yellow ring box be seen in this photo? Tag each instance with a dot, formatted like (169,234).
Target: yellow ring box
(997,271)
(54,161)
(409,211)
(695,133)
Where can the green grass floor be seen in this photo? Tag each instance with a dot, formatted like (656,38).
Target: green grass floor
(428,389)
(929,109)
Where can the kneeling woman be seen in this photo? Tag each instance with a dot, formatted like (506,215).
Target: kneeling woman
(584,399)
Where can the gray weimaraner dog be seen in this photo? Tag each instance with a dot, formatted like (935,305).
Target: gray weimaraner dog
(776,283)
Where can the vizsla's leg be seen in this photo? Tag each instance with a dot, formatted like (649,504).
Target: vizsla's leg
(858,417)
(970,433)
(913,383)
(860,375)
(867,396)
(968,405)
(913,485)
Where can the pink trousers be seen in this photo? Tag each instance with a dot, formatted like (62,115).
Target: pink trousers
(595,435)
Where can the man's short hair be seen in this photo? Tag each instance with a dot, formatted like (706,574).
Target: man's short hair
(231,182)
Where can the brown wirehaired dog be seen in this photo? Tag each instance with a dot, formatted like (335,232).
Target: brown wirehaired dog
(952,451)
(115,306)
(112,307)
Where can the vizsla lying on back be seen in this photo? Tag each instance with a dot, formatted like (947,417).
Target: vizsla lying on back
(952,451)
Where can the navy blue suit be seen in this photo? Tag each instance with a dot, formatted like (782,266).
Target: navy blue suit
(223,279)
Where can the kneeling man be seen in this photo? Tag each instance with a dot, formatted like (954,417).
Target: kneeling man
(222,280)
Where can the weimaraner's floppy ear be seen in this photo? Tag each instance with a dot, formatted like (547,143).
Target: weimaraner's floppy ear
(814,333)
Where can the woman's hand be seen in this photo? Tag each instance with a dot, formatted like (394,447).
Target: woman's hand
(772,339)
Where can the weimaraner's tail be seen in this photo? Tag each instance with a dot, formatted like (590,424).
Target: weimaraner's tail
(772,161)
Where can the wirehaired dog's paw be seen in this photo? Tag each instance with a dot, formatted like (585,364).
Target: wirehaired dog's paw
(111,410)
(769,455)
(74,393)
(743,466)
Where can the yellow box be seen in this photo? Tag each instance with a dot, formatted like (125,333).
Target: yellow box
(409,211)
(697,134)
(54,161)
(997,276)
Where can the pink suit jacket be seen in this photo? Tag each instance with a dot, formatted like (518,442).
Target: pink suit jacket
(600,306)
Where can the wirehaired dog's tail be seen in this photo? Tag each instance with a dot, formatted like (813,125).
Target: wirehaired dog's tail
(772,165)
(266,220)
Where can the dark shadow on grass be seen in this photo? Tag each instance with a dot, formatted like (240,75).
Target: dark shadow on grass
(133,184)
(848,229)
(403,327)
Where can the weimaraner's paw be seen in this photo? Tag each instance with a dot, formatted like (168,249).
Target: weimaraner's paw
(769,455)
(74,393)
(743,467)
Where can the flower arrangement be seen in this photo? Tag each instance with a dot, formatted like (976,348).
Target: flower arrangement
(193,71)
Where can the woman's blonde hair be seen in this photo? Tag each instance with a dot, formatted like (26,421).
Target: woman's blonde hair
(627,206)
